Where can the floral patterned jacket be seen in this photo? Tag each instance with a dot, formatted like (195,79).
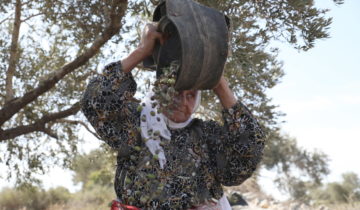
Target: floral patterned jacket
(201,157)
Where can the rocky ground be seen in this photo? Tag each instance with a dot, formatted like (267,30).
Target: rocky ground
(249,196)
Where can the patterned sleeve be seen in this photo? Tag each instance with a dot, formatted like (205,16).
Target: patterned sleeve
(237,147)
(107,106)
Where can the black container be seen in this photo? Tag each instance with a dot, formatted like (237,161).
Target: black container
(198,39)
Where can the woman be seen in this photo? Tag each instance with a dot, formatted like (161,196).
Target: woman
(169,160)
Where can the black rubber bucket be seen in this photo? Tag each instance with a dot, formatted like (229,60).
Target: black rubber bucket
(198,39)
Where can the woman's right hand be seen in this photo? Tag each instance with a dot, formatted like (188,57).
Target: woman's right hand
(149,37)
(147,44)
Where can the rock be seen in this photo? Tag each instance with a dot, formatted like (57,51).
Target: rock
(305,206)
(322,207)
(239,207)
(264,204)
(237,199)
(294,206)
(255,202)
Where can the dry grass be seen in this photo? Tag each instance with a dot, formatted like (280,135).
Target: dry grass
(351,206)
(79,206)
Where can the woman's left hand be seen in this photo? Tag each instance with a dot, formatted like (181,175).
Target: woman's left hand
(224,93)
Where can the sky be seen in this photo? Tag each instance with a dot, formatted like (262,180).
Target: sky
(320,94)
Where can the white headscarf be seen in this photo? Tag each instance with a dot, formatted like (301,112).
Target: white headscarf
(151,122)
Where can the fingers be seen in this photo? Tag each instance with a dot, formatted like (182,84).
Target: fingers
(159,36)
(152,33)
(149,37)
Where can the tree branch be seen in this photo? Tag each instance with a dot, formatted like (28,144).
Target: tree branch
(49,132)
(5,19)
(39,125)
(31,16)
(75,122)
(25,3)
(13,53)
(116,15)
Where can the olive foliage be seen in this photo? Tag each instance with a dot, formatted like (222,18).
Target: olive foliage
(345,191)
(49,49)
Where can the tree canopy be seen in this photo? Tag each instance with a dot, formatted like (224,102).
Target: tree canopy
(50,48)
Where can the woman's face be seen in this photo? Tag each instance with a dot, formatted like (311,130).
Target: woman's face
(182,107)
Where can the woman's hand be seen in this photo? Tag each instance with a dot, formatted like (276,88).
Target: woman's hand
(147,44)
(148,39)
(224,93)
